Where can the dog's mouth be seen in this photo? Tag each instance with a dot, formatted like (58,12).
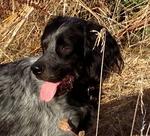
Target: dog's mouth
(49,90)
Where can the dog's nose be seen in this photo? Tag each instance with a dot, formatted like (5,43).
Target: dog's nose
(37,69)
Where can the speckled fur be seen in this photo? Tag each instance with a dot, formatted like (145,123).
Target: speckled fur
(67,44)
(21,111)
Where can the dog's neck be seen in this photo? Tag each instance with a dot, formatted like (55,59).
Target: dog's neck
(85,91)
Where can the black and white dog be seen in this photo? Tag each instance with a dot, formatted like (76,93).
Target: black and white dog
(37,93)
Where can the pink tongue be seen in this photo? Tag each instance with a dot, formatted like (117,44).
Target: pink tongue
(48,91)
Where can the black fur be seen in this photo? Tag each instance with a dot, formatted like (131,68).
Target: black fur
(67,44)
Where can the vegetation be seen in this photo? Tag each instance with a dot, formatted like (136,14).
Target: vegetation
(125,104)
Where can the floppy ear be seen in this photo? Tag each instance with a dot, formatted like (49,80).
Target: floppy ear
(53,24)
(93,57)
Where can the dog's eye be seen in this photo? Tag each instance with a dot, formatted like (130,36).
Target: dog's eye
(66,50)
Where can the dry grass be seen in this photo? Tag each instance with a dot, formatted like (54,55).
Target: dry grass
(22,22)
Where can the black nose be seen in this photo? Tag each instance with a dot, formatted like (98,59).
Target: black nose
(37,69)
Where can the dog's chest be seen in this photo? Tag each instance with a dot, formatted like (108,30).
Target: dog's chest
(31,117)
(44,119)
(58,112)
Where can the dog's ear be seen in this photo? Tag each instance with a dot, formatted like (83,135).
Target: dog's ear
(53,25)
(93,54)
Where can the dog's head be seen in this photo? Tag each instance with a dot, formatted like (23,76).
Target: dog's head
(67,44)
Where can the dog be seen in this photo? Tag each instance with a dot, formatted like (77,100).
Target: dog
(38,93)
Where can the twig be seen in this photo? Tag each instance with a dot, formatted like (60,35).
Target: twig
(143,110)
(101,75)
(13,6)
(135,112)
(64,8)
(147,130)
(2,52)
